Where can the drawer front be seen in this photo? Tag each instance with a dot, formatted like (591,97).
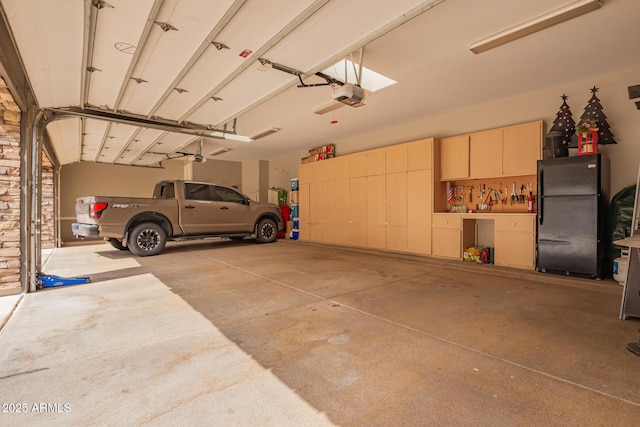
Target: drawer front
(520,223)
(446,221)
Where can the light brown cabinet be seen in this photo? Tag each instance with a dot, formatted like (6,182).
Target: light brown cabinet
(357,165)
(358,212)
(485,154)
(446,236)
(376,209)
(420,154)
(419,211)
(396,158)
(522,148)
(513,237)
(376,162)
(396,213)
(454,158)
(515,240)
(379,199)
(509,151)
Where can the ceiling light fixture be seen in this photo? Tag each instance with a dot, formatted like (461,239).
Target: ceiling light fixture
(231,136)
(557,16)
(265,133)
(220,151)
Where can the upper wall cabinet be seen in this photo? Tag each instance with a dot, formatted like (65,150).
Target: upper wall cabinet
(521,148)
(485,154)
(454,158)
(376,162)
(397,158)
(508,151)
(420,155)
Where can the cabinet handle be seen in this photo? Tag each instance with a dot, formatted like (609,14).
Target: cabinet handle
(513,223)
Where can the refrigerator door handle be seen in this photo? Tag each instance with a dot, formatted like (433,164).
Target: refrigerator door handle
(540,196)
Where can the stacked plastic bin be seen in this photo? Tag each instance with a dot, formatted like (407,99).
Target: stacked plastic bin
(294,209)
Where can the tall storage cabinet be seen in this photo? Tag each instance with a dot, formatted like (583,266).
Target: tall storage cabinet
(378,199)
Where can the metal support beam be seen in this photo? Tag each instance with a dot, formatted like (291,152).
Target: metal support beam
(53,114)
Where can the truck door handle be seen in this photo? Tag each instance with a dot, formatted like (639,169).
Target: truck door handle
(224,208)
(189,207)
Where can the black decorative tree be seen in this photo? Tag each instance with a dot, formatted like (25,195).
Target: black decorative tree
(593,111)
(564,121)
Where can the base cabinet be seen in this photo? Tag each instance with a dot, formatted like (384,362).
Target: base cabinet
(446,243)
(446,236)
(515,241)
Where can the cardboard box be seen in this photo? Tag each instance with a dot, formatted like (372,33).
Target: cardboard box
(314,158)
(324,149)
(289,229)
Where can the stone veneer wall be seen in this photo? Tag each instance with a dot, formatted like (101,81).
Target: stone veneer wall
(10,194)
(48,205)
(9,191)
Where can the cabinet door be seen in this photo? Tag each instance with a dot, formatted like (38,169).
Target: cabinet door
(515,241)
(328,212)
(376,230)
(485,154)
(376,164)
(522,148)
(514,249)
(303,207)
(454,158)
(315,171)
(358,165)
(358,212)
(342,165)
(446,243)
(396,158)
(396,212)
(419,208)
(341,212)
(328,170)
(315,211)
(419,155)
(304,173)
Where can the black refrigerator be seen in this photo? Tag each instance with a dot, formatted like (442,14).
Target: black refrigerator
(572,202)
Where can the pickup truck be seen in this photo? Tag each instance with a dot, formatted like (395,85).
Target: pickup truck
(179,210)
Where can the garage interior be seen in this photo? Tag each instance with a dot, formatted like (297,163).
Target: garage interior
(108,98)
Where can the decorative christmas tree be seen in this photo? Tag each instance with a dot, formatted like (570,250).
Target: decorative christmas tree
(593,111)
(564,121)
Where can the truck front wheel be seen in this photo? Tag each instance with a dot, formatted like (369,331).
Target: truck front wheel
(147,239)
(267,231)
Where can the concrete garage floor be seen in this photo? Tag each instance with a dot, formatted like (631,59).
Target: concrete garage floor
(295,334)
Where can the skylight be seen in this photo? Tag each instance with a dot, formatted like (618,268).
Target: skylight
(371,81)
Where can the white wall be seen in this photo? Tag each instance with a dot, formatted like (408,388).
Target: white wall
(221,172)
(621,112)
(282,170)
(97,179)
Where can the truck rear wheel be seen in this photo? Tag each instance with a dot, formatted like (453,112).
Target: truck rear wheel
(267,231)
(147,239)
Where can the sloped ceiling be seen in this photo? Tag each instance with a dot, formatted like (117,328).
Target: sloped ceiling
(195,64)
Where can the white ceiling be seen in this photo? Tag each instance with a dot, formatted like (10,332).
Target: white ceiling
(179,76)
